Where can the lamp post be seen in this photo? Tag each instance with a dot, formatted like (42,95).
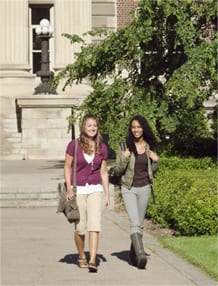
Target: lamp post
(44,33)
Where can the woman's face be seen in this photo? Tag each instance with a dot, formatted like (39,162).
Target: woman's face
(136,129)
(91,127)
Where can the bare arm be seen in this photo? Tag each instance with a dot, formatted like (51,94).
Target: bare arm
(67,175)
(105,182)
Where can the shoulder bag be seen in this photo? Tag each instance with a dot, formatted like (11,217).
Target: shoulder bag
(69,207)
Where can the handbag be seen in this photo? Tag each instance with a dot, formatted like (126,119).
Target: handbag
(69,207)
(113,178)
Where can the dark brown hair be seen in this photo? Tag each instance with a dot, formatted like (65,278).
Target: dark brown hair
(147,134)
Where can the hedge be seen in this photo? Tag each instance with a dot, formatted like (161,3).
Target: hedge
(186,196)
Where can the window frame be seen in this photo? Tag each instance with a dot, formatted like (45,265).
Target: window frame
(32,27)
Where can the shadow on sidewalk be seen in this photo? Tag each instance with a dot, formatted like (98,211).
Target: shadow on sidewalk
(69,259)
(72,258)
(122,255)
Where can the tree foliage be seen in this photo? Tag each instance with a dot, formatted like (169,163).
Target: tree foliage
(162,65)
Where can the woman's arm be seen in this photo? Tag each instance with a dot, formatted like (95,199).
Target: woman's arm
(122,160)
(105,182)
(67,175)
(154,160)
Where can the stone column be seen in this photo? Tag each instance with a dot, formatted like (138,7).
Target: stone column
(14,53)
(72,17)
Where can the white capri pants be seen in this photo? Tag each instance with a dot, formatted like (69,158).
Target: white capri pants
(90,208)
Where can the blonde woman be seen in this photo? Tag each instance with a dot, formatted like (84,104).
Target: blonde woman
(92,181)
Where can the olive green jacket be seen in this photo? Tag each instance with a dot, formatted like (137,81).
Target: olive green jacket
(124,166)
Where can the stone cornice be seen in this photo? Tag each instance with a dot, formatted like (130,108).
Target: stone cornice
(48,101)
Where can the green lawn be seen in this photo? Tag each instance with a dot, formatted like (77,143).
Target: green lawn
(201,251)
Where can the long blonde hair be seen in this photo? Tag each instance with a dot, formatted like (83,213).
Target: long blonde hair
(84,142)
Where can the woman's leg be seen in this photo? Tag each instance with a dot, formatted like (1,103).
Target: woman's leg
(135,203)
(94,212)
(131,206)
(93,245)
(80,230)
(80,244)
(143,195)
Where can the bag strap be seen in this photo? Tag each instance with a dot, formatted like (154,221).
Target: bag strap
(152,194)
(74,169)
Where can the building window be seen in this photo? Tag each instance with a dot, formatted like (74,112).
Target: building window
(37,13)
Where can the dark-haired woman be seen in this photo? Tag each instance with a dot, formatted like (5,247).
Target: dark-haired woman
(136,164)
(92,180)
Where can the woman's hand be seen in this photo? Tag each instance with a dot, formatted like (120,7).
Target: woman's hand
(107,202)
(126,152)
(153,155)
(70,195)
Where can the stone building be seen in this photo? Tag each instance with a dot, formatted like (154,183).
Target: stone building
(34,125)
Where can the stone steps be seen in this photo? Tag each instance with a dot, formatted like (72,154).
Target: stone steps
(11,156)
(28,203)
(11,139)
(27,183)
(20,197)
(33,183)
(23,197)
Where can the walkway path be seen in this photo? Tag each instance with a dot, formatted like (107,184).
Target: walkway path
(37,248)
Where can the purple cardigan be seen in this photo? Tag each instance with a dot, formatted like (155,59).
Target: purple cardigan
(85,172)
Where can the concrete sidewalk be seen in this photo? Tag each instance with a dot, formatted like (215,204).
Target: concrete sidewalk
(37,248)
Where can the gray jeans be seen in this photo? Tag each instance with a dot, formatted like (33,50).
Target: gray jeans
(136,202)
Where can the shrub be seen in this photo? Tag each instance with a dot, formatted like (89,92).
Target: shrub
(186,196)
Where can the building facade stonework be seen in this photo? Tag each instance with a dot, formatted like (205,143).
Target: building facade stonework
(35,126)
